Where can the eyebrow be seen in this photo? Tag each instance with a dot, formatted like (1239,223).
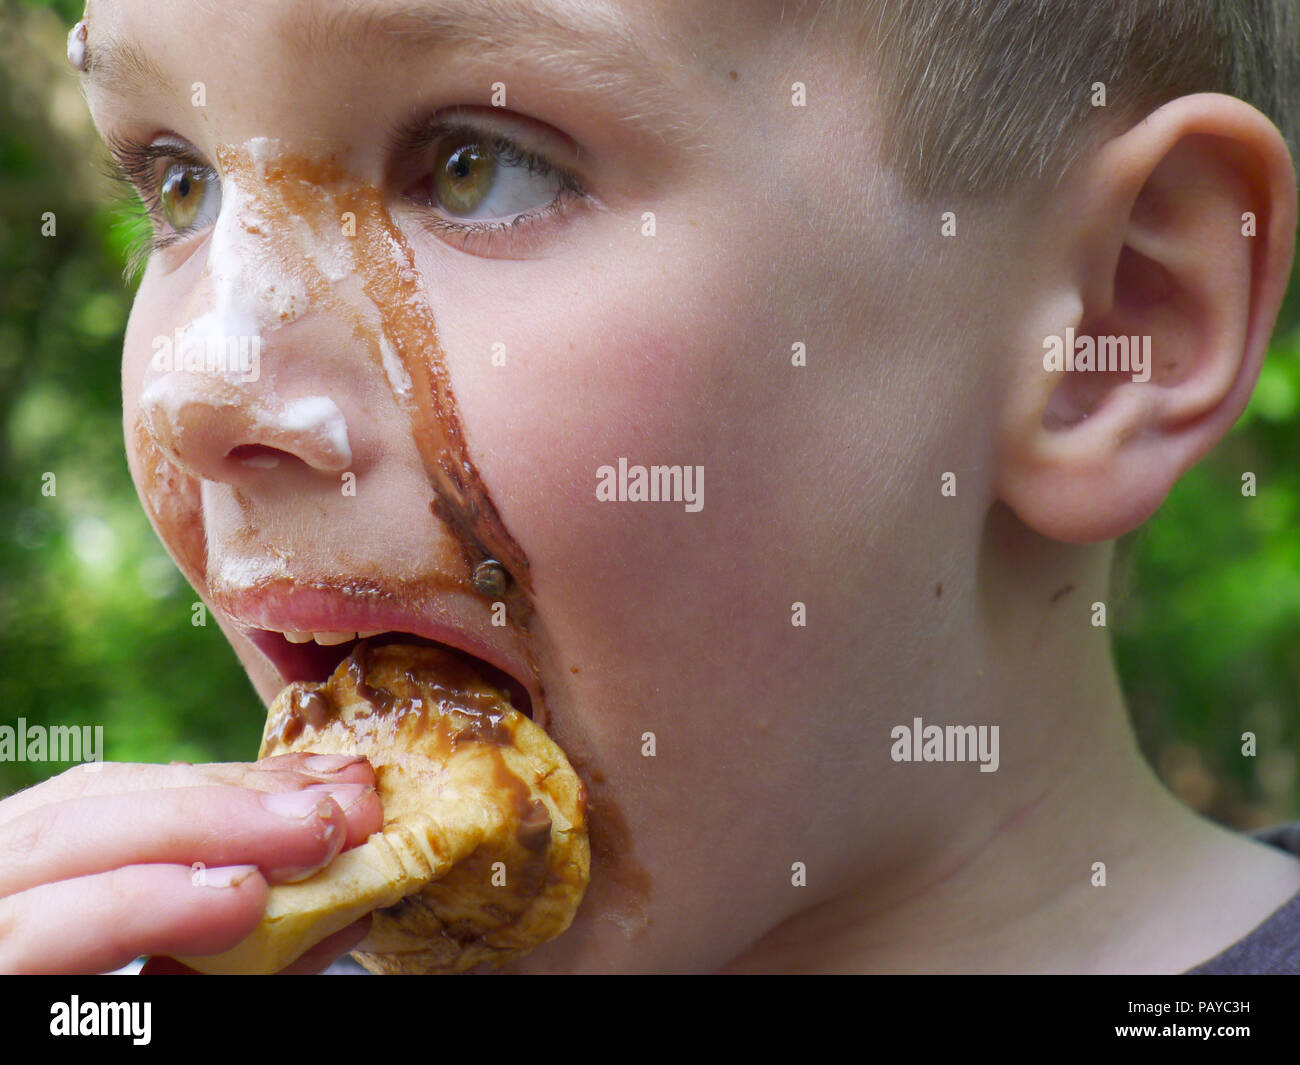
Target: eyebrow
(120,68)
(588,47)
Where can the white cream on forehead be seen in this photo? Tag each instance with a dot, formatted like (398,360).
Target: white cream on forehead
(77,45)
(260,150)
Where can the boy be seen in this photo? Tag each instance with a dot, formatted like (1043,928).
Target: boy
(867,265)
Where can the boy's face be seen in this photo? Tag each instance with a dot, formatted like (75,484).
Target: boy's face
(583,335)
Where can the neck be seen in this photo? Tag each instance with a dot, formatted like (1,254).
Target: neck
(1072,857)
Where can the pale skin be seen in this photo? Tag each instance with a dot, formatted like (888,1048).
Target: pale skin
(823,488)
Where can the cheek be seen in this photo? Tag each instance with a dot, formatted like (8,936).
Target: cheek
(590,370)
(148,319)
(171,498)
(668,360)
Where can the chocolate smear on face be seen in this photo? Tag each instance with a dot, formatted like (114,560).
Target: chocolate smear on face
(302,224)
(294,195)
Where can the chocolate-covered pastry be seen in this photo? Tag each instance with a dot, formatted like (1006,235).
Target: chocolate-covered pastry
(483,854)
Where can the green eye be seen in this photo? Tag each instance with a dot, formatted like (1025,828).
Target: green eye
(463,176)
(182,195)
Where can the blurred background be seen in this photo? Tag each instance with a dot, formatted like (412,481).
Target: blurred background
(95,620)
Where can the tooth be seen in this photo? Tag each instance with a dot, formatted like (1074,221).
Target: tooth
(329,639)
(298,637)
(367,635)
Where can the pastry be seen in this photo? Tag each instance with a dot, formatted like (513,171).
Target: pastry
(483,854)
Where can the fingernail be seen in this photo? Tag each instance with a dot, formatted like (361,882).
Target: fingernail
(226,876)
(296,874)
(346,795)
(294,805)
(331,763)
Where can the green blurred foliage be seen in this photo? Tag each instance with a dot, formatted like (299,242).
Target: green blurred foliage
(95,617)
(1208,644)
(97,621)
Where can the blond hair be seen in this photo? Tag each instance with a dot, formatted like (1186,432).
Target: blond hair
(981,96)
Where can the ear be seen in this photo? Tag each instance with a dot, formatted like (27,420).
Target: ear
(1179,233)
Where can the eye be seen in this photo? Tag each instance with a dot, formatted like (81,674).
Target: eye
(189,196)
(463,176)
(488,179)
(178,191)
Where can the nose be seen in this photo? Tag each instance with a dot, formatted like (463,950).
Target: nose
(222,428)
(245,384)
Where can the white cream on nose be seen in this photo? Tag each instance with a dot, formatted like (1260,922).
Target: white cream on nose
(204,387)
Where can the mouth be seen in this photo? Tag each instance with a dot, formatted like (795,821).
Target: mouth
(313,655)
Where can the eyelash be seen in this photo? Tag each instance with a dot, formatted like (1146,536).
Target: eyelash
(134,166)
(424,136)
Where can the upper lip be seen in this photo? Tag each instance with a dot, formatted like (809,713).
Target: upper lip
(321,606)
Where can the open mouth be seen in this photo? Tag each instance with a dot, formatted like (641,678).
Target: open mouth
(313,657)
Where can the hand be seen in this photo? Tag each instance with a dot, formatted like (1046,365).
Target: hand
(97,865)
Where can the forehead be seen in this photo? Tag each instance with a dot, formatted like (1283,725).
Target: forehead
(268,62)
(595,36)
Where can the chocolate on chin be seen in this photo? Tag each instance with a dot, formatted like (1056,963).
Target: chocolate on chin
(483,854)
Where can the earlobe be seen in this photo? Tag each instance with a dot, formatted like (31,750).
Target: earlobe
(1166,256)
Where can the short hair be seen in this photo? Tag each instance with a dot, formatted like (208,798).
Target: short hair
(982,96)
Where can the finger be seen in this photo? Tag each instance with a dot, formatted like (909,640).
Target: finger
(288,834)
(350,767)
(99,923)
(117,778)
(330,949)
